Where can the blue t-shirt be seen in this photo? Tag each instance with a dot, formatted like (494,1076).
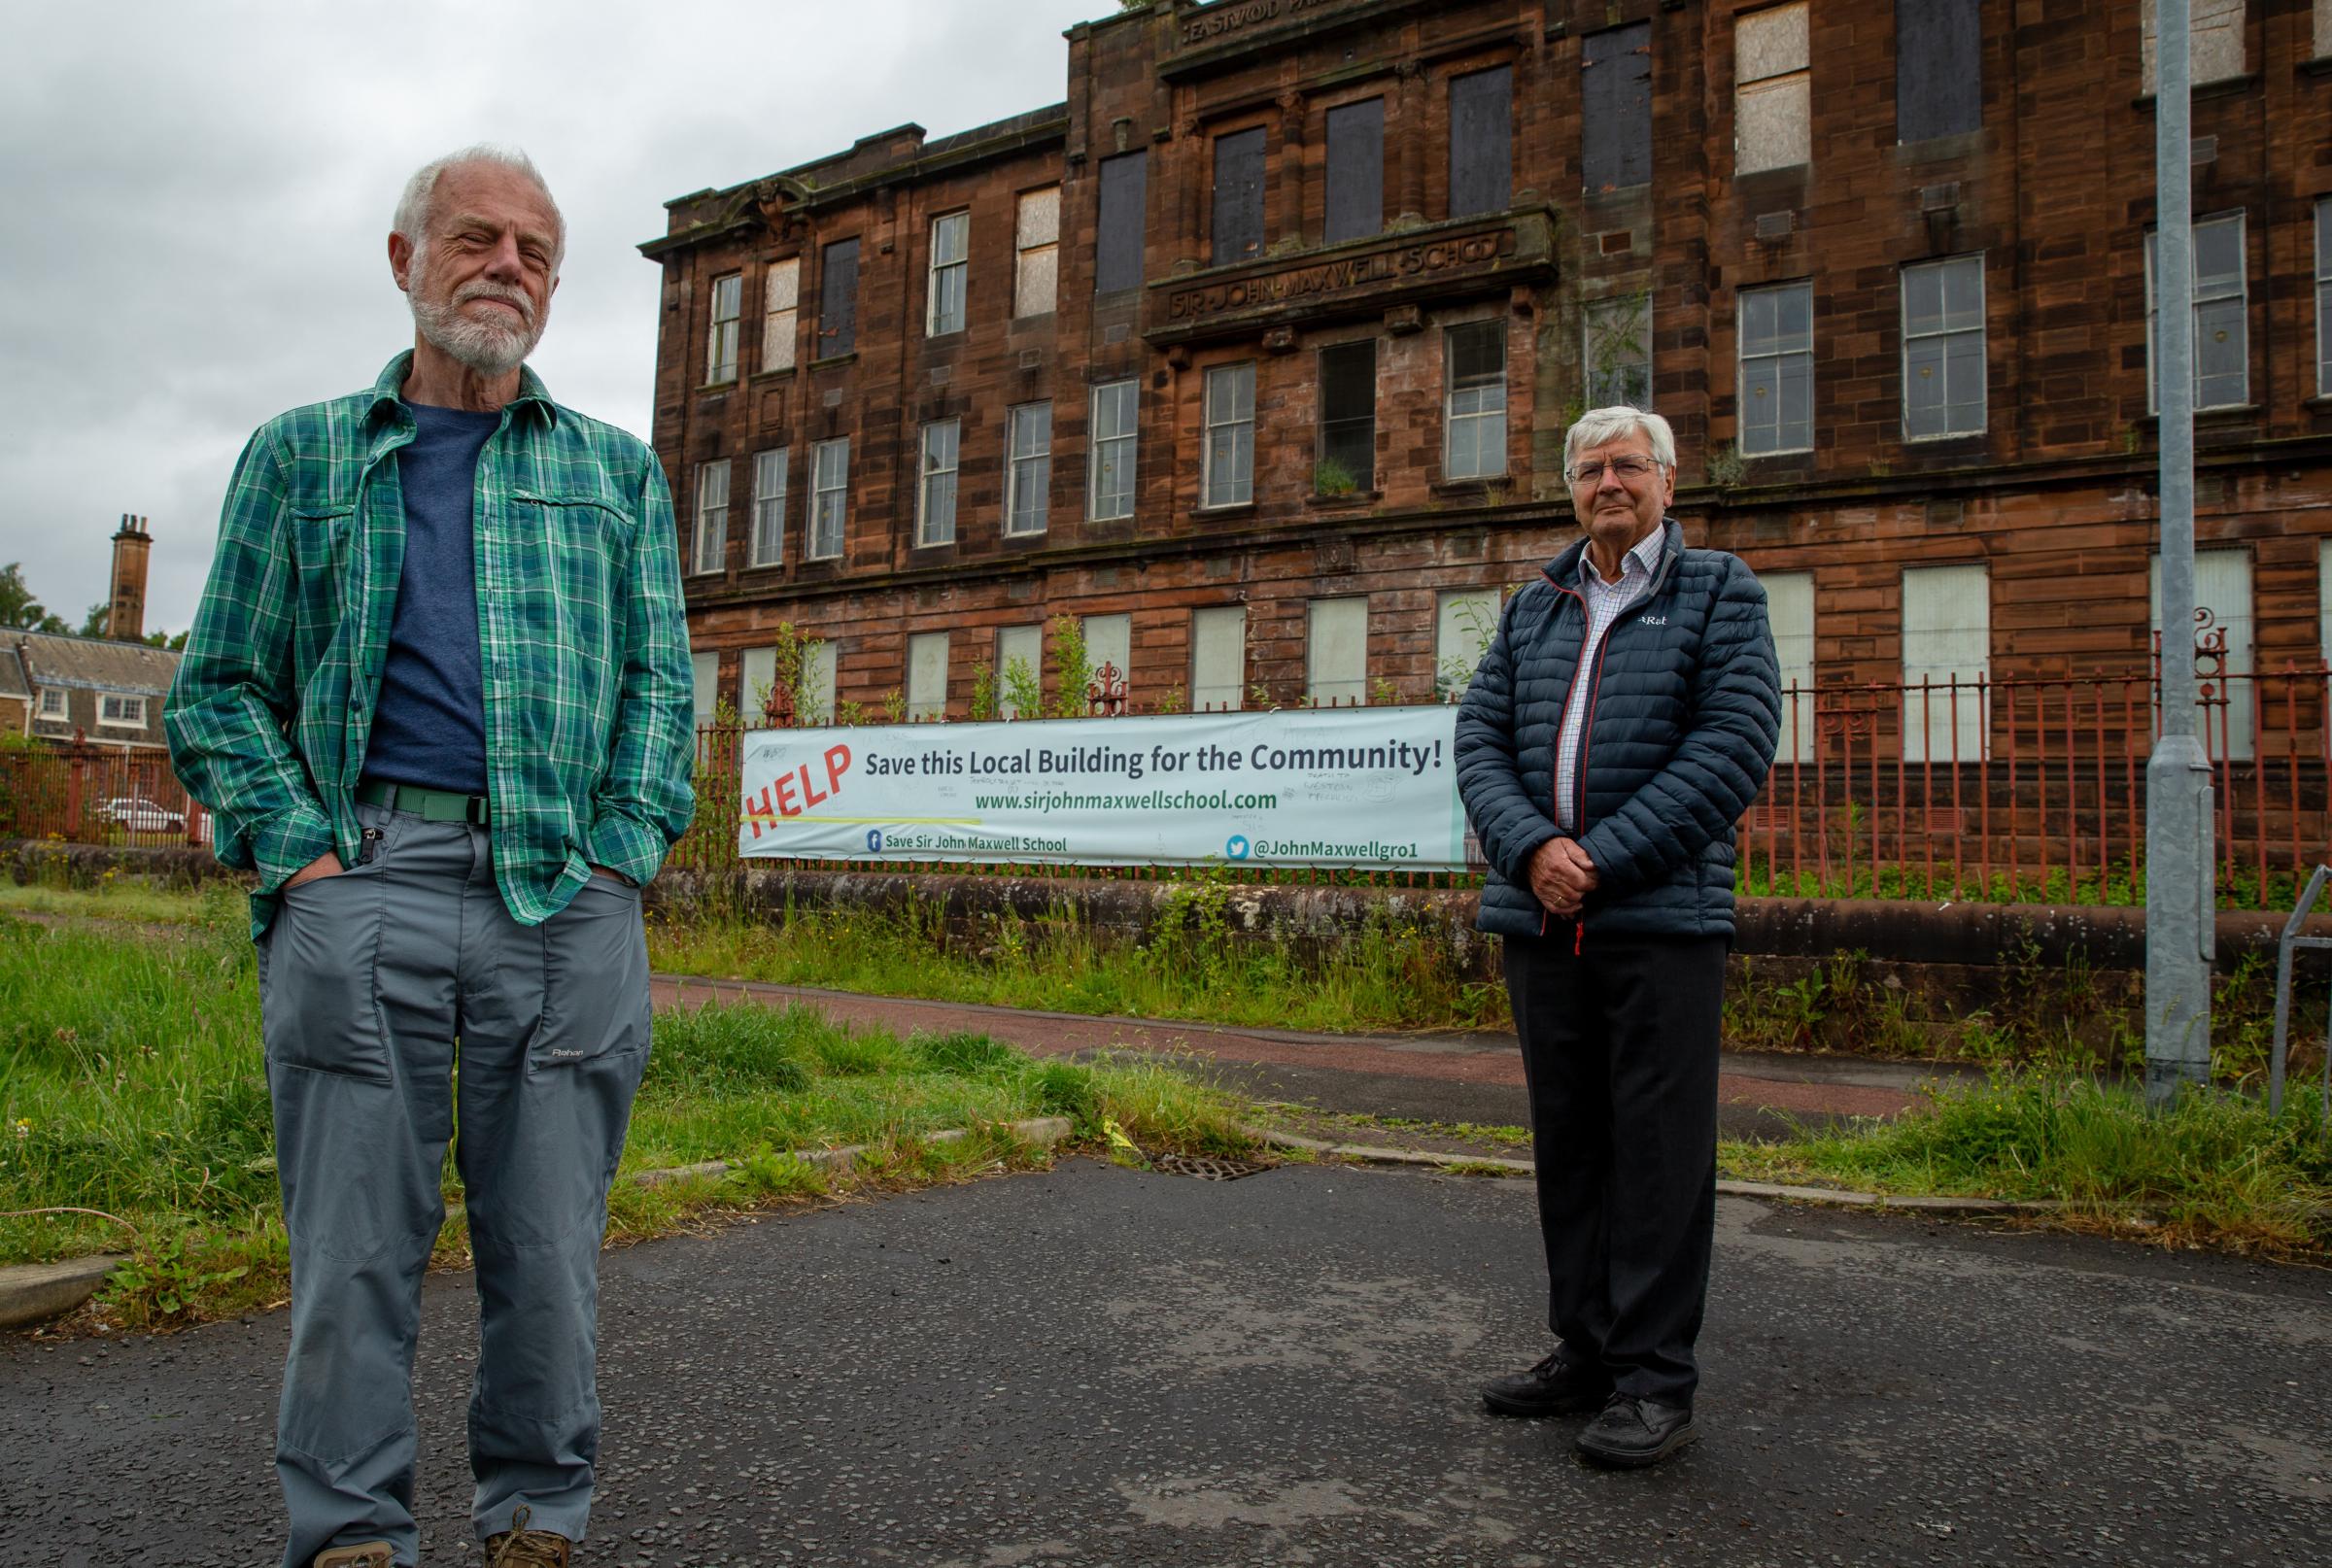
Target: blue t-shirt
(430,728)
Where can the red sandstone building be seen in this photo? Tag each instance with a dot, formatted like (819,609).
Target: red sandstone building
(1256,355)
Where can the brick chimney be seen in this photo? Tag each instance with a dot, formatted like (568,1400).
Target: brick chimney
(127,623)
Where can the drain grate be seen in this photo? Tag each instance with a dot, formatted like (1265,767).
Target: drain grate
(1209,1166)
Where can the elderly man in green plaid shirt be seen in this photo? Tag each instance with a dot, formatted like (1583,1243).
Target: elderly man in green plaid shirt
(439,696)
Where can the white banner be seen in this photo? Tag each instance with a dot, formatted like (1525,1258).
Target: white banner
(1359,787)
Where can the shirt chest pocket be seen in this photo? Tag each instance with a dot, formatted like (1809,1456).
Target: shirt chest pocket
(321,539)
(564,571)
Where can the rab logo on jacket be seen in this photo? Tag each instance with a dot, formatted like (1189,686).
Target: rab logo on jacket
(1656,620)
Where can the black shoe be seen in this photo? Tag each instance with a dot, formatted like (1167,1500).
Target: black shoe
(1552,1387)
(1632,1433)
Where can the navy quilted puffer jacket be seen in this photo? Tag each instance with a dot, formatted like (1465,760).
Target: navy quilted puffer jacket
(1683,718)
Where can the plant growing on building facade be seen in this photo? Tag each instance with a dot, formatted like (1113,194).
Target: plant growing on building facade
(1023,690)
(1384,693)
(983,692)
(1477,624)
(1332,478)
(1727,467)
(1072,670)
(1176,700)
(796,657)
(894,706)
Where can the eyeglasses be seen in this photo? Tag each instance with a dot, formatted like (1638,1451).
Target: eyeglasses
(1629,470)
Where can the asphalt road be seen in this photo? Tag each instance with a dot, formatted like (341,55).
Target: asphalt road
(1097,1366)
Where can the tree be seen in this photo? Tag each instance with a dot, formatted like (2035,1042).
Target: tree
(100,616)
(17,606)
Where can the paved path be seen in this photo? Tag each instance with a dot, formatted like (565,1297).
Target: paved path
(1100,1367)
(1475,1078)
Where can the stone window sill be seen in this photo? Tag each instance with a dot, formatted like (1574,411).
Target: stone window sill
(835,361)
(1211,514)
(783,373)
(1350,497)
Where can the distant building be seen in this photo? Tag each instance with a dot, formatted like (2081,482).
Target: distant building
(1256,353)
(106,690)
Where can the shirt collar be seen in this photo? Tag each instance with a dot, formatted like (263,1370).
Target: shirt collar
(387,391)
(1642,560)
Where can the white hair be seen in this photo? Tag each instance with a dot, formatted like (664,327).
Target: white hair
(1600,424)
(412,219)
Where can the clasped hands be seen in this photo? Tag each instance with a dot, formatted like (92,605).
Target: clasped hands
(1562,876)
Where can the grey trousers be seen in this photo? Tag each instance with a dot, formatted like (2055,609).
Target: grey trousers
(374,985)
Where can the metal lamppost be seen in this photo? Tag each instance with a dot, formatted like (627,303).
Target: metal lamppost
(2181,925)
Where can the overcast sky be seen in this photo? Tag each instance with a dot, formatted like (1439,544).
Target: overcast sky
(197,200)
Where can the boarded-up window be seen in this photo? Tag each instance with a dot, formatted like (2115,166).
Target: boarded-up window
(1777,369)
(1125,191)
(1939,68)
(2223,586)
(1109,641)
(1615,107)
(1772,102)
(1482,142)
(760,674)
(706,668)
(1237,196)
(1037,244)
(1356,170)
(1336,652)
(838,300)
(2217,29)
(1943,348)
(711,552)
(1616,343)
(720,354)
(1347,454)
(1218,659)
(783,288)
(1790,612)
(769,506)
(2223,377)
(1946,649)
(1465,620)
(1019,666)
(927,675)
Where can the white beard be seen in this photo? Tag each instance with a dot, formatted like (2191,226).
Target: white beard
(483,346)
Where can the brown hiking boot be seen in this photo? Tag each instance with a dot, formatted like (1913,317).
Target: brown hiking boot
(363,1554)
(521,1548)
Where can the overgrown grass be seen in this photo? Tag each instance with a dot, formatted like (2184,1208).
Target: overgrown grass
(2215,1168)
(131,1086)
(1384,975)
(115,898)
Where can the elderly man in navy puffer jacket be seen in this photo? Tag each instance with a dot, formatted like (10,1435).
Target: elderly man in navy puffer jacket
(1621,722)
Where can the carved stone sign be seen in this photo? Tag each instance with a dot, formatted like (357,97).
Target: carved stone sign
(1229,16)
(1370,272)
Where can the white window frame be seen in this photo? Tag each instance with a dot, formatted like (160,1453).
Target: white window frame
(1928,719)
(55,703)
(708,548)
(2323,278)
(771,469)
(1944,333)
(1206,648)
(1778,357)
(828,516)
(1230,417)
(1321,623)
(720,346)
(1114,428)
(1782,87)
(781,300)
(942,446)
(922,702)
(1028,470)
(1478,408)
(2209,301)
(118,710)
(1036,252)
(948,302)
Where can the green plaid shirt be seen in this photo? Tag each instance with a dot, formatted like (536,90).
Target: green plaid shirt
(590,704)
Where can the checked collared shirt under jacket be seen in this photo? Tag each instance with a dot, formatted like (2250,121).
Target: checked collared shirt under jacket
(1606,603)
(589,701)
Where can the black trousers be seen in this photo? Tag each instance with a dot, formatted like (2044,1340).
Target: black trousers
(1620,1054)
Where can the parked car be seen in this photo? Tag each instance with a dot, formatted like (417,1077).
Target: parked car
(141,815)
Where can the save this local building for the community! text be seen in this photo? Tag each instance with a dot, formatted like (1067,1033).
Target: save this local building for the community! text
(1255,356)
